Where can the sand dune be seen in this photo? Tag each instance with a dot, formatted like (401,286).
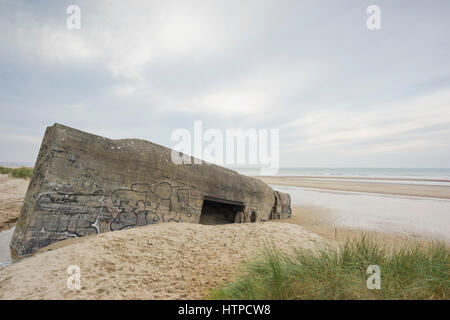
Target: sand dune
(165,261)
(12,194)
(415,190)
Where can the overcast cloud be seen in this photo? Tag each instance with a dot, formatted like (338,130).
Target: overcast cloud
(340,94)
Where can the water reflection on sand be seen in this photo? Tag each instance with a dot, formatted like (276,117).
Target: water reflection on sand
(384,213)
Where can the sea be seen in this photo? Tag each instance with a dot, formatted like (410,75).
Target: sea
(412,173)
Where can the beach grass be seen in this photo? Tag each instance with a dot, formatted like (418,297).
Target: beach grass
(22,172)
(340,272)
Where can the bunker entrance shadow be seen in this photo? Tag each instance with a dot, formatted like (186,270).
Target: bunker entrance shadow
(219,211)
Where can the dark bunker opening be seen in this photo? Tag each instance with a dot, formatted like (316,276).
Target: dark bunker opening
(220,211)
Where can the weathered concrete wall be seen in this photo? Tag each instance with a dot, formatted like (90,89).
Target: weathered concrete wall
(85,184)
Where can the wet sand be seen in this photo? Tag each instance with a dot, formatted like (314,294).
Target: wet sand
(412,217)
(319,221)
(342,184)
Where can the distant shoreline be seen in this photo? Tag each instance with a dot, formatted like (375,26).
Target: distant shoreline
(340,184)
(355,178)
(17,164)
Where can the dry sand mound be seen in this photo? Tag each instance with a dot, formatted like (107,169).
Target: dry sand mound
(164,261)
(12,194)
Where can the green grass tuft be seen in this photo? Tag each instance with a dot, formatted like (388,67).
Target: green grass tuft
(22,172)
(339,272)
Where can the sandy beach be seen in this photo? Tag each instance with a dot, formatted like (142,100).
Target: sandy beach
(182,260)
(164,261)
(12,194)
(342,184)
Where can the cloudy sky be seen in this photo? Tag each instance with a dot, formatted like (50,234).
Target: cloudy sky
(340,94)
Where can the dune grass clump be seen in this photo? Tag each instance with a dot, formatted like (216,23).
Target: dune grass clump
(340,272)
(22,172)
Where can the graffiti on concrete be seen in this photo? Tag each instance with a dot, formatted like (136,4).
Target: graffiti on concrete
(80,214)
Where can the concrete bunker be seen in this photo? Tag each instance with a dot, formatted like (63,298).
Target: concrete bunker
(84,184)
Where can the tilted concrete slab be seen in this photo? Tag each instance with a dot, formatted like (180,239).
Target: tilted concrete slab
(85,184)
